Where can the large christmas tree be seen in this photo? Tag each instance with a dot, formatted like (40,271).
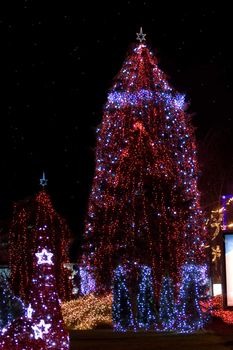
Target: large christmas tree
(35,218)
(144,206)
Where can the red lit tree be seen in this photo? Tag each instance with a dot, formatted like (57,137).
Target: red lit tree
(33,219)
(42,327)
(144,205)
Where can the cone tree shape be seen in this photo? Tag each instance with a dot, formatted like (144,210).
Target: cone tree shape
(144,205)
(122,313)
(42,327)
(33,220)
(44,302)
(167,307)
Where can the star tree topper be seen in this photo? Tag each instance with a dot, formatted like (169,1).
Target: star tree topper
(140,36)
(43,181)
(44,257)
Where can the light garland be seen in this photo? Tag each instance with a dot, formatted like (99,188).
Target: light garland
(88,312)
(215,307)
(124,99)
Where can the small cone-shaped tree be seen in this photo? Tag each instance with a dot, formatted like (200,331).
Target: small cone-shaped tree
(146,318)
(144,205)
(167,307)
(190,314)
(32,219)
(45,303)
(122,313)
(42,327)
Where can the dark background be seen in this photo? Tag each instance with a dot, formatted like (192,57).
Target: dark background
(59,69)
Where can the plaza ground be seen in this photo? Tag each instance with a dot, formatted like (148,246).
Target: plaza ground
(216,337)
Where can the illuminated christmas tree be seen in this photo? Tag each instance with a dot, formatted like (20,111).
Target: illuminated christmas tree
(45,303)
(122,313)
(42,326)
(191,316)
(35,218)
(146,315)
(144,206)
(167,307)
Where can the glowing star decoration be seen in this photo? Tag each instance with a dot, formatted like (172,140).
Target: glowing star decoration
(40,329)
(216,221)
(37,332)
(140,36)
(29,311)
(43,181)
(44,257)
(216,253)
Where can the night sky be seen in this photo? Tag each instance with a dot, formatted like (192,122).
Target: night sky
(59,69)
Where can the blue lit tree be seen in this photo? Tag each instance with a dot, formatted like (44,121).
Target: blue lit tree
(146,318)
(122,313)
(167,307)
(191,317)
